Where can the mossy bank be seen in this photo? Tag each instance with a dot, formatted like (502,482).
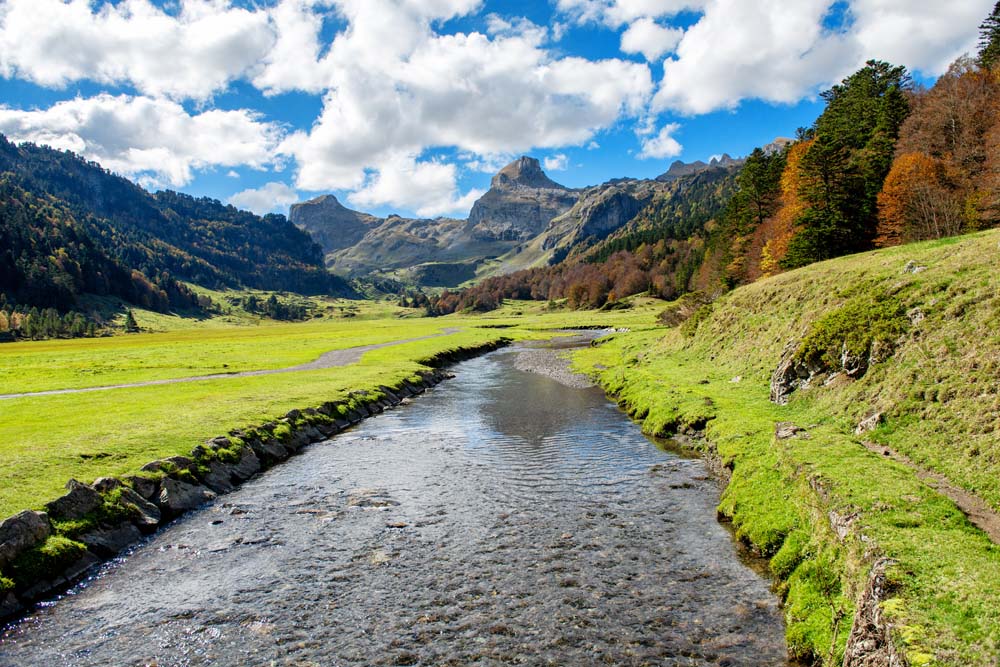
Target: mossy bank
(808,388)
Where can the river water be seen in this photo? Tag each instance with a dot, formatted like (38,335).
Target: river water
(502,518)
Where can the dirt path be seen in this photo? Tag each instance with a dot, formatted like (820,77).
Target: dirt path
(330,359)
(980,514)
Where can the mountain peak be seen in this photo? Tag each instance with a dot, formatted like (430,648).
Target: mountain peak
(525,172)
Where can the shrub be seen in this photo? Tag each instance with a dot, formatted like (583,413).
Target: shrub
(865,323)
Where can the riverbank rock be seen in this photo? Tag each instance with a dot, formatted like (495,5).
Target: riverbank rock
(219,477)
(177,497)
(80,501)
(170,465)
(20,533)
(145,487)
(247,466)
(269,451)
(145,515)
(9,605)
(109,542)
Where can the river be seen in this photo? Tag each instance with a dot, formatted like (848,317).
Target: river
(501,518)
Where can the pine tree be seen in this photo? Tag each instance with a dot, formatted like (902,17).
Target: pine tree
(989,39)
(130,324)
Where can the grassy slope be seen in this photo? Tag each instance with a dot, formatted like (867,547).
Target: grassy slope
(939,395)
(48,439)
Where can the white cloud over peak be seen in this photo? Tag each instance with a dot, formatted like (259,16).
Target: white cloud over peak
(153,140)
(402,180)
(484,95)
(558,162)
(662,144)
(271,197)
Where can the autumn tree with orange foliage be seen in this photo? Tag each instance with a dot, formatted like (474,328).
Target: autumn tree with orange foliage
(917,202)
(779,229)
(954,124)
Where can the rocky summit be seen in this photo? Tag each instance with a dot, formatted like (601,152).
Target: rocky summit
(520,203)
(330,223)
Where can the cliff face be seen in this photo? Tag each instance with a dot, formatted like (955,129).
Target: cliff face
(398,242)
(330,223)
(519,204)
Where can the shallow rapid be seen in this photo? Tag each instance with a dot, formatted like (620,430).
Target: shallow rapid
(502,518)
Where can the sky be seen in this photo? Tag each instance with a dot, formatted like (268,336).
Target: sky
(410,106)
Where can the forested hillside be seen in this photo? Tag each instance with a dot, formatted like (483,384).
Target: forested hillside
(68,228)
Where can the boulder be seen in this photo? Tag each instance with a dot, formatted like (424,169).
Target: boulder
(247,466)
(869,423)
(20,533)
(80,501)
(219,477)
(177,497)
(9,606)
(106,484)
(109,542)
(786,430)
(220,442)
(145,487)
(145,515)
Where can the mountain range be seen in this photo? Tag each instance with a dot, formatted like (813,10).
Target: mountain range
(524,220)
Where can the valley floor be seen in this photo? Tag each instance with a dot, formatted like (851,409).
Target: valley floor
(841,521)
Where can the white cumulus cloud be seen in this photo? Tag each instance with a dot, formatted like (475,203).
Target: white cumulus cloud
(428,187)
(558,162)
(271,197)
(662,144)
(651,39)
(484,95)
(192,53)
(153,140)
(781,52)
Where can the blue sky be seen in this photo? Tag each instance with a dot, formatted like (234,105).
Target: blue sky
(409,106)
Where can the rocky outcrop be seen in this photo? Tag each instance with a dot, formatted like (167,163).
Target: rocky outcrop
(680,169)
(520,203)
(397,242)
(599,211)
(330,223)
(870,643)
